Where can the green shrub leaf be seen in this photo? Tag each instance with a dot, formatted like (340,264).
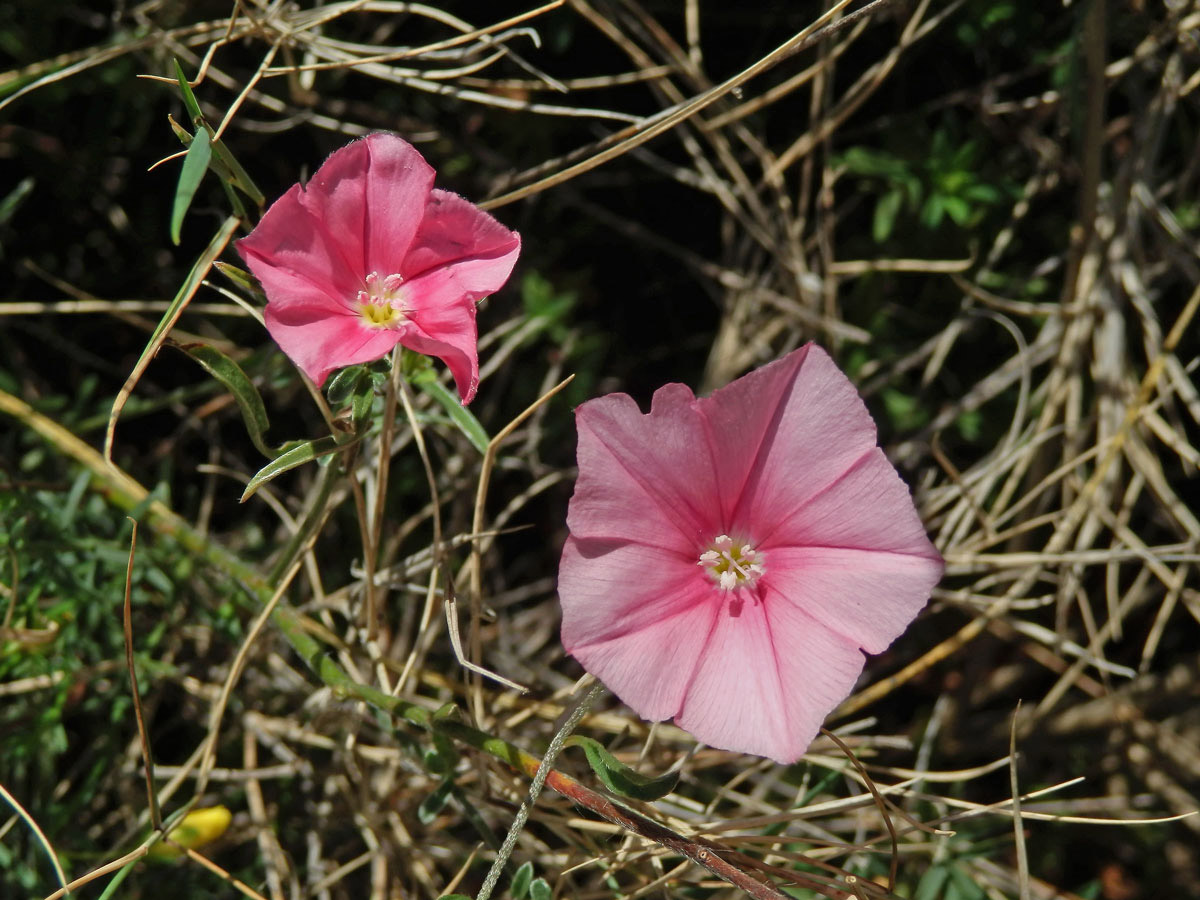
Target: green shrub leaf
(521,881)
(230,374)
(436,801)
(427,381)
(885,215)
(290,459)
(619,778)
(195,164)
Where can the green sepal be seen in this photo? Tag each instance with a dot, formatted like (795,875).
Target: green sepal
(293,457)
(361,401)
(518,888)
(343,384)
(619,778)
(230,374)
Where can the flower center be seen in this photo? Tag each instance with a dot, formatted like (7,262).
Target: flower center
(732,563)
(382,305)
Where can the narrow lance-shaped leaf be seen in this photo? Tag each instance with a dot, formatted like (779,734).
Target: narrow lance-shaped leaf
(195,164)
(290,459)
(230,374)
(519,887)
(174,310)
(189,99)
(618,777)
(462,417)
(230,169)
(432,805)
(242,279)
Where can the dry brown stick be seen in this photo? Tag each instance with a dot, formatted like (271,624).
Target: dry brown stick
(1058,541)
(879,802)
(475,645)
(143,735)
(638,134)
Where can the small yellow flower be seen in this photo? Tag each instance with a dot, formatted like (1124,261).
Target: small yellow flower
(199,827)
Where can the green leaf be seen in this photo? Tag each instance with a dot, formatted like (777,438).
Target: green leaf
(931,883)
(435,802)
(15,197)
(932,211)
(454,897)
(441,758)
(519,887)
(539,889)
(239,177)
(427,381)
(962,885)
(618,777)
(886,210)
(958,209)
(195,164)
(230,374)
(290,459)
(229,168)
(864,161)
(189,99)
(242,279)
(174,310)
(983,193)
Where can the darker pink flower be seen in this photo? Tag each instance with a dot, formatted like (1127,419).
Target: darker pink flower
(731,557)
(368,255)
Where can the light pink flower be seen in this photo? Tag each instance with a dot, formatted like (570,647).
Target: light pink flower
(731,557)
(368,255)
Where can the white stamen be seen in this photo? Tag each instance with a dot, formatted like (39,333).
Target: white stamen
(732,563)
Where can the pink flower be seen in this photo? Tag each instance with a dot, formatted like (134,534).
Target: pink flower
(731,557)
(369,255)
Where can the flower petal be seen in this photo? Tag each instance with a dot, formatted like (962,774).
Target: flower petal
(856,556)
(767,678)
(294,257)
(319,342)
(785,432)
(398,185)
(645,478)
(867,597)
(456,231)
(636,619)
(442,324)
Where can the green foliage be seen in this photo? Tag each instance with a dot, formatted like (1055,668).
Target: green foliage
(230,374)
(618,777)
(944,180)
(518,888)
(63,556)
(552,314)
(195,164)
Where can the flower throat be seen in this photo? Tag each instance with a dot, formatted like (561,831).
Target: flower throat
(732,564)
